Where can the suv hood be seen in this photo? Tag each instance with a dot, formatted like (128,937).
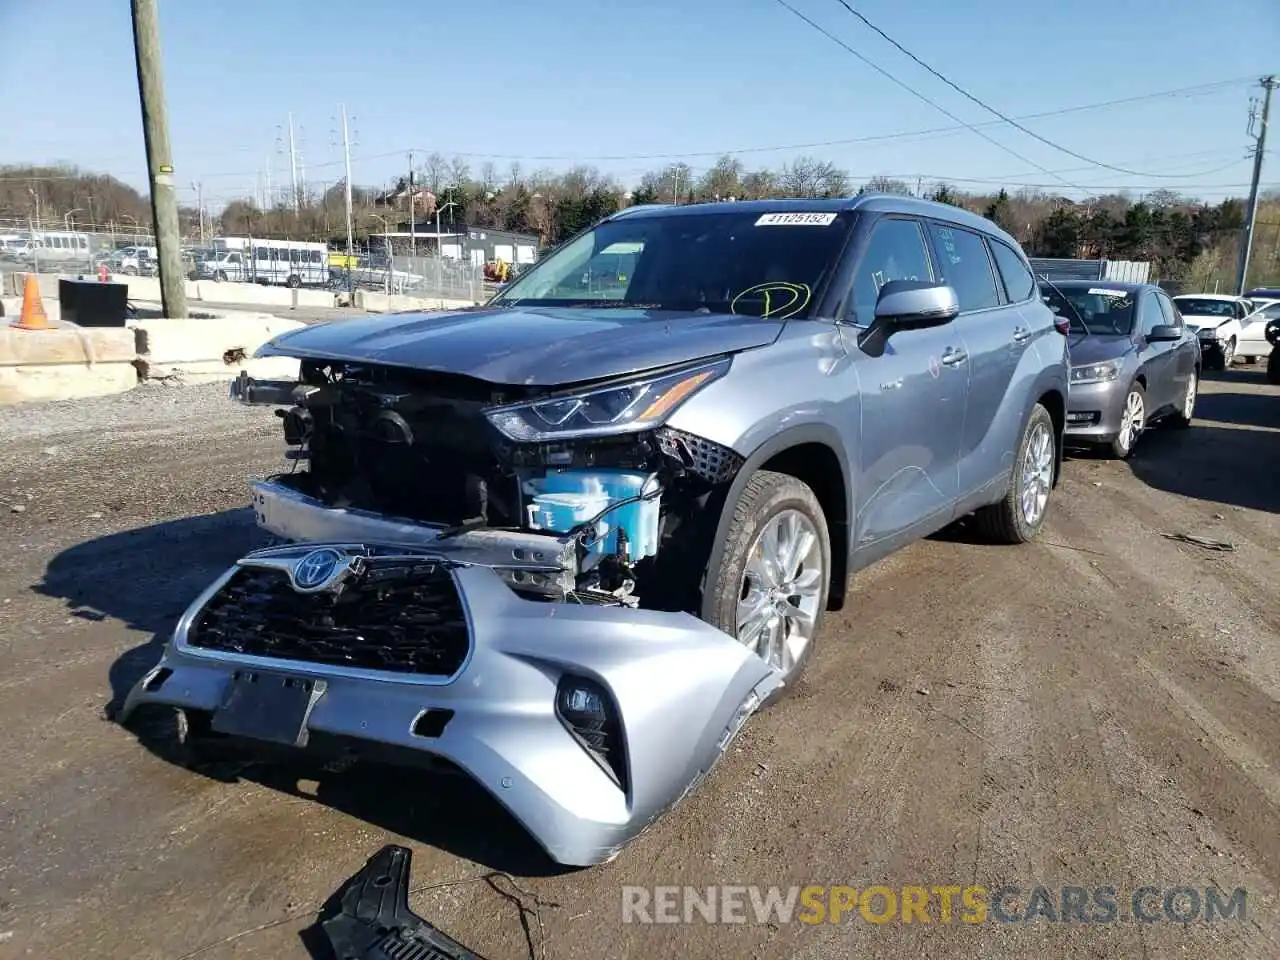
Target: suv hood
(532,346)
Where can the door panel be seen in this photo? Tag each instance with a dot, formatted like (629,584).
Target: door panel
(1157,359)
(913,396)
(997,335)
(912,414)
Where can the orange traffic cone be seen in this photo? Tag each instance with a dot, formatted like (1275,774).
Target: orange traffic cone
(33,315)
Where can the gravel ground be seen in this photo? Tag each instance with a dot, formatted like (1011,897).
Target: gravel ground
(1099,708)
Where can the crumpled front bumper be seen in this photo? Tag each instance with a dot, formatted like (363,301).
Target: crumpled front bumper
(681,688)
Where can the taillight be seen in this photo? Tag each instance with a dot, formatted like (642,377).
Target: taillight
(1061,324)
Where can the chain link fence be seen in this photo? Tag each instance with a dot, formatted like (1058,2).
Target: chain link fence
(62,249)
(431,278)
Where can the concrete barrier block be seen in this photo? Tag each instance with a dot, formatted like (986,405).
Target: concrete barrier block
(208,371)
(37,382)
(64,364)
(399,303)
(80,345)
(167,340)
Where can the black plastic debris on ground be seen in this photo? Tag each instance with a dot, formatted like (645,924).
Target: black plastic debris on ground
(373,920)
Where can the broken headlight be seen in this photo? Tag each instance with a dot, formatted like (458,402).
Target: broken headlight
(627,408)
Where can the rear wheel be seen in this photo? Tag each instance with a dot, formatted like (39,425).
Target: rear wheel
(1183,417)
(1019,516)
(294,281)
(1132,421)
(769,588)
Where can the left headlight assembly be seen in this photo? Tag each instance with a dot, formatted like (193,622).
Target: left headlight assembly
(640,404)
(1096,372)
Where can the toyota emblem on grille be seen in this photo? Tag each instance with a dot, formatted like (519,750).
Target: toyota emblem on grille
(318,570)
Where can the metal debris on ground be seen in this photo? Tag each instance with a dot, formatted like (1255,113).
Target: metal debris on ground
(1220,545)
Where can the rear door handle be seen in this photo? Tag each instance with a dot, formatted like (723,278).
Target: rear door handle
(952,357)
(1021,335)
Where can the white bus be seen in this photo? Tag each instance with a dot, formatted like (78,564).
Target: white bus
(294,263)
(57,245)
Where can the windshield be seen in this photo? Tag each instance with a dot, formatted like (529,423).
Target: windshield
(1098,311)
(762,265)
(1201,307)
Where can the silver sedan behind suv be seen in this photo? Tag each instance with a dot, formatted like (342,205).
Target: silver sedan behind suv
(1133,361)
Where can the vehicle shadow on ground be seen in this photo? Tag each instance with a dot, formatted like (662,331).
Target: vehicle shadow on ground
(145,578)
(1230,455)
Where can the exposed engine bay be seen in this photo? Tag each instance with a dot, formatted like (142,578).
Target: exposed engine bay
(422,446)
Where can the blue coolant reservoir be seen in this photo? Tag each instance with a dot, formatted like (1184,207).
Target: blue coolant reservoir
(563,494)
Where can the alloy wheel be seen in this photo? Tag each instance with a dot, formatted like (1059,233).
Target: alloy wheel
(781,589)
(1189,401)
(1131,421)
(1037,474)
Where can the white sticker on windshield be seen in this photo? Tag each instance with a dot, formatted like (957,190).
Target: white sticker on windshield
(1101,292)
(796,220)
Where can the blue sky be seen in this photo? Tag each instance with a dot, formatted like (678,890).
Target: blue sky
(564,81)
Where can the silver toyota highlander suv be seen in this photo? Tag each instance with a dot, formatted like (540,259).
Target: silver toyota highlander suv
(567,543)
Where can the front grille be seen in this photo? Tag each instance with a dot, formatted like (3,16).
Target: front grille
(398,617)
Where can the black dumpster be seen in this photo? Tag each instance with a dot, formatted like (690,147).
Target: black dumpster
(91,303)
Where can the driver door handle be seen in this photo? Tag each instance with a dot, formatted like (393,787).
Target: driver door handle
(951,357)
(1021,335)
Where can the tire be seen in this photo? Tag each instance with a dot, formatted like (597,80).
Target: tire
(220,276)
(130,271)
(771,502)
(1273,367)
(1228,354)
(1187,411)
(294,282)
(1121,447)
(1008,521)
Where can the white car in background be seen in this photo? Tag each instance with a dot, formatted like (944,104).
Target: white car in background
(1218,321)
(1253,341)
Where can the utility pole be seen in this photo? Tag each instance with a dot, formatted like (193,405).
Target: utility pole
(346,150)
(413,231)
(155,129)
(1251,216)
(293,164)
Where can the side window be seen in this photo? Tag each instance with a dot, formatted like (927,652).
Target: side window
(1169,311)
(262,254)
(965,266)
(315,257)
(1149,314)
(896,251)
(1019,283)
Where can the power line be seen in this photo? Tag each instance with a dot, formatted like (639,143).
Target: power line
(916,93)
(992,110)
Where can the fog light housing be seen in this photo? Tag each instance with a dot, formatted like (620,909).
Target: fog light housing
(591,717)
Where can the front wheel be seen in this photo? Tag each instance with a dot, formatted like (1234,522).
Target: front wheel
(1018,517)
(294,282)
(1133,418)
(1228,354)
(769,588)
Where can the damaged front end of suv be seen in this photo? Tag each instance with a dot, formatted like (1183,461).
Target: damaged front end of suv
(486,578)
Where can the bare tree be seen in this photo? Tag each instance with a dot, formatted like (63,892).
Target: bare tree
(459,172)
(435,171)
(724,180)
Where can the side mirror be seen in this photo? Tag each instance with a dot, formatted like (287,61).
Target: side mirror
(1164,333)
(914,304)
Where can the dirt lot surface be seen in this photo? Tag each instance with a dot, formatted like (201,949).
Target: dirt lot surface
(1101,708)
